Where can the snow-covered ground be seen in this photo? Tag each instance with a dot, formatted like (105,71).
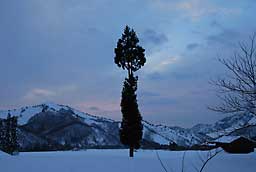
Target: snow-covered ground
(118,161)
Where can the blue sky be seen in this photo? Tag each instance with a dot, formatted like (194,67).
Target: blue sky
(62,51)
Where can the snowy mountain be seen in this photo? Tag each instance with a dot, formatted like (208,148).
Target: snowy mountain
(165,135)
(53,126)
(62,126)
(25,113)
(226,126)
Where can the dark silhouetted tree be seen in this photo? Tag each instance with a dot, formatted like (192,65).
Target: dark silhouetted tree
(9,142)
(7,135)
(13,130)
(2,132)
(131,126)
(130,56)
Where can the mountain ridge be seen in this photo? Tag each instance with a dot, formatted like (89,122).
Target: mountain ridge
(50,123)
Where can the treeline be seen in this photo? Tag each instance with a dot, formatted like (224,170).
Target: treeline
(8,134)
(173,146)
(66,147)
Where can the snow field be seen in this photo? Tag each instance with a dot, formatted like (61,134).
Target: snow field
(118,161)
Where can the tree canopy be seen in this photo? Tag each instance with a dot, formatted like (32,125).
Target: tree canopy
(129,55)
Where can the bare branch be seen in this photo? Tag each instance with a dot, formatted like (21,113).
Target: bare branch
(238,90)
(183,161)
(163,166)
(209,157)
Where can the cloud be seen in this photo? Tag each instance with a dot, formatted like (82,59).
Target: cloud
(102,106)
(163,65)
(216,24)
(39,93)
(160,61)
(168,61)
(185,75)
(66,89)
(192,46)
(42,94)
(226,37)
(94,108)
(160,101)
(194,9)
(151,36)
(155,76)
(149,94)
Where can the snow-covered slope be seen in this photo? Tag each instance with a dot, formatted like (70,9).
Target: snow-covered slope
(226,125)
(165,135)
(63,126)
(25,113)
(3,154)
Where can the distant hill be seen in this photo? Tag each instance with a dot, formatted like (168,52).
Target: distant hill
(52,126)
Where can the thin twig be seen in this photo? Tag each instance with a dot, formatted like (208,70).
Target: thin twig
(209,158)
(161,162)
(183,160)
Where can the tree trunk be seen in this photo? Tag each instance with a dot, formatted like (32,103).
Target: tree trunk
(131,151)
(130,73)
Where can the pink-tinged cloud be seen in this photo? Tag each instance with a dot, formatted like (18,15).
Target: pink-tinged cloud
(194,9)
(109,109)
(39,92)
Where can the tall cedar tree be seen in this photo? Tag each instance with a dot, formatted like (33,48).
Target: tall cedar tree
(130,56)
(131,127)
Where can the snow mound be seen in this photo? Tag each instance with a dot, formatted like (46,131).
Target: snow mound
(227,139)
(3,154)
